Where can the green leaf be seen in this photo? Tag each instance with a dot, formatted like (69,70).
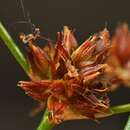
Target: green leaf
(127,126)
(4,35)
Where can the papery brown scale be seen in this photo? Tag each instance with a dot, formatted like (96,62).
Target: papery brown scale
(44,88)
(88,53)
(61,69)
(69,41)
(98,59)
(62,52)
(92,47)
(37,90)
(93,69)
(39,62)
(37,96)
(50,50)
(78,52)
(85,107)
(91,77)
(71,86)
(39,53)
(58,89)
(105,36)
(57,109)
(102,55)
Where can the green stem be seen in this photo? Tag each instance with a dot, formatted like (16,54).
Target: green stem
(4,35)
(45,124)
(120,109)
(114,110)
(127,126)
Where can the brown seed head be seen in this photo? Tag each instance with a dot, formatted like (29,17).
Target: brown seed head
(70,79)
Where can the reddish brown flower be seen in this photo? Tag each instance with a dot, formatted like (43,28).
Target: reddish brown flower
(72,80)
(119,59)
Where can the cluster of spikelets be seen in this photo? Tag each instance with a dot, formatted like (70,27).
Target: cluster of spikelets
(73,80)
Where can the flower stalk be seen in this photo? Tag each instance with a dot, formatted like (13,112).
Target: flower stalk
(45,124)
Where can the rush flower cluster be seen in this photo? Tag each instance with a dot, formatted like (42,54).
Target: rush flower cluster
(120,54)
(73,80)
